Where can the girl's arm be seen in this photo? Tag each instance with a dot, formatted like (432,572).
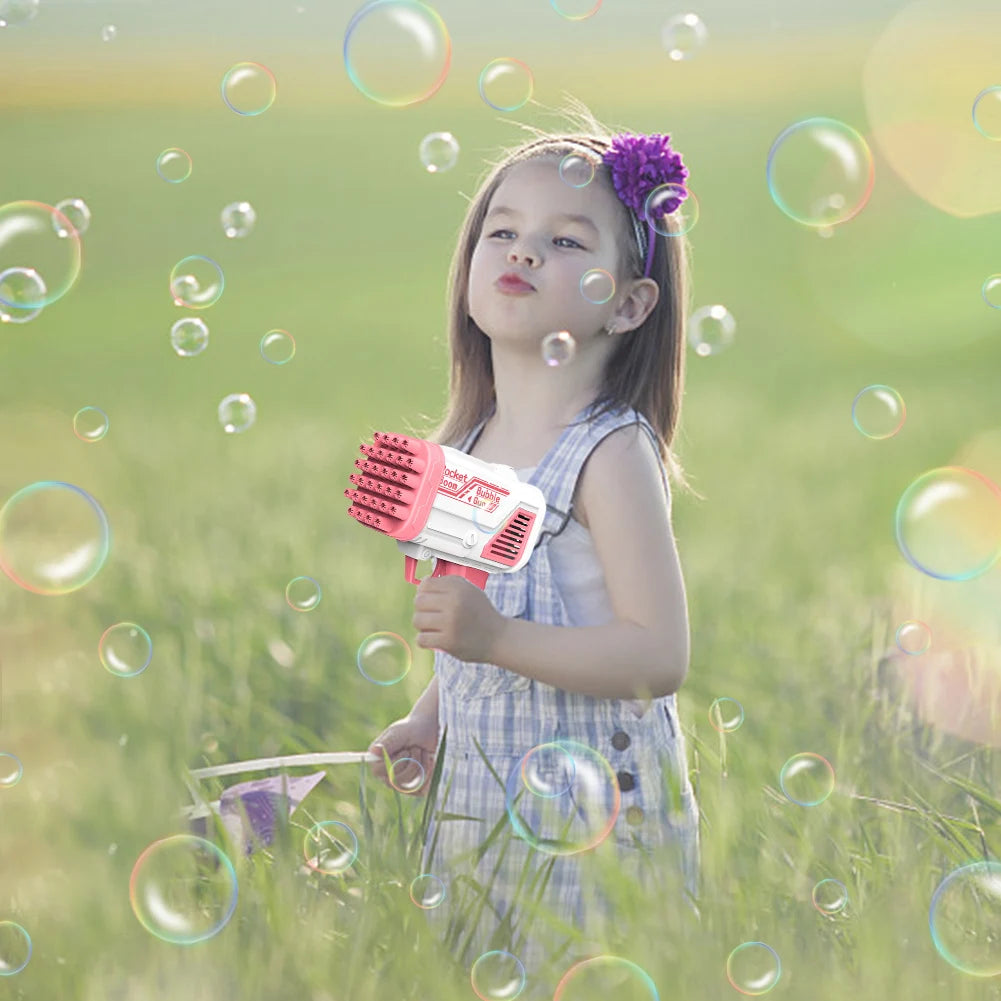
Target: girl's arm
(427,704)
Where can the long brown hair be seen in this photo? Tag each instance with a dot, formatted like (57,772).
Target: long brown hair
(646,371)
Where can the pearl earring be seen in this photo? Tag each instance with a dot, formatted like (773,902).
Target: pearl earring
(610,328)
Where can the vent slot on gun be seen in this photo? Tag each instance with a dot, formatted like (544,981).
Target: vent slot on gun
(509,543)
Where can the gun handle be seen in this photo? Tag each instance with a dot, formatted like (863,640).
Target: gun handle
(442,568)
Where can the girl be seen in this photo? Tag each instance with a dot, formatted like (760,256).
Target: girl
(553,699)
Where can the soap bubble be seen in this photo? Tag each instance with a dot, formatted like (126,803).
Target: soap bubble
(672,210)
(15,942)
(878,411)
(948,523)
(54,538)
(173,165)
(108,33)
(965,918)
(17,11)
(558,348)
(610,977)
(238,219)
(384,658)
(506,84)
(90,424)
(277,347)
(830,896)
(11,771)
(987,113)
(406,775)
(577,171)
(189,336)
(249,88)
(74,210)
(913,637)
(397,52)
(196,282)
(991,291)
(807,779)
(237,412)
(125,649)
(20,285)
(576,10)
(497,976)
(30,240)
(597,286)
(427,891)
(711,330)
(303,594)
(753,968)
(726,715)
(183,889)
(683,36)
(438,151)
(330,847)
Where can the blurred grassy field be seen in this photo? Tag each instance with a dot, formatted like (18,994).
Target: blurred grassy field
(788,558)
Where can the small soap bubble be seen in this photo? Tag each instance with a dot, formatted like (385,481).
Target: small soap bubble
(397,52)
(807,779)
(913,637)
(987,113)
(948,523)
(597,286)
(238,219)
(90,424)
(277,347)
(54,538)
(830,896)
(330,847)
(991,291)
(303,594)
(183,889)
(711,330)
(878,411)
(125,649)
(577,171)
(30,241)
(76,212)
(406,775)
(608,977)
(683,36)
(726,715)
(753,968)
(249,88)
(173,165)
(506,84)
(11,770)
(576,10)
(671,209)
(965,918)
(427,891)
(17,11)
(196,282)
(189,336)
(210,743)
(497,976)
(109,33)
(15,942)
(20,285)
(438,151)
(237,412)
(384,658)
(558,348)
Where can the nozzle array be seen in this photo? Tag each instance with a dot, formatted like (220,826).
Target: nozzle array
(386,485)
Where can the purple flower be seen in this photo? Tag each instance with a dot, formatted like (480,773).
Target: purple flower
(641,163)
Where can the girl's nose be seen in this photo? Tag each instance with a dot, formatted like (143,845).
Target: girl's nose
(523,255)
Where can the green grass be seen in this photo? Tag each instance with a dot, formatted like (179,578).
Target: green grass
(794,582)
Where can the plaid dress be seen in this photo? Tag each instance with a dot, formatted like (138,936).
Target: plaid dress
(639,801)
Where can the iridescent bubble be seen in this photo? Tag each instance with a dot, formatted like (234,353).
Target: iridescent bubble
(558,348)
(183,889)
(30,241)
(987,113)
(173,165)
(711,330)
(397,52)
(753,968)
(11,769)
(576,10)
(913,637)
(76,211)
(54,538)
(568,822)
(991,291)
(610,977)
(427,891)
(597,286)
(277,347)
(17,11)
(672,209)
(830,896)
(210,742)
(15,942)
(726,714)
(406,775)
(497,976)
(189,336)
(820,172)
(20,285)
(109,33)
(683,36)
(303,594)
(125,649)
(90,424)
(249,88)
(438,151)
(948,523)
(237,412)
(878,411)
(384,658)
(238,219)
(330,847)
(506,84)
(196,282)
(807,779)
(577,171)
(965,918)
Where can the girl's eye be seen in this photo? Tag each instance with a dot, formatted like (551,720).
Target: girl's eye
(498,232)
(569,240)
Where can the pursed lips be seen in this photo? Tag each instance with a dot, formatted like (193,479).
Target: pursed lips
(513,285)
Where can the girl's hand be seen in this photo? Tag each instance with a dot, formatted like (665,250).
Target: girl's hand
(411,737)
(453,615)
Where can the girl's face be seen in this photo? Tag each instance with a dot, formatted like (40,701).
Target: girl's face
(549,235)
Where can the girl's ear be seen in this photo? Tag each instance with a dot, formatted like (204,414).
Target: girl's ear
(638,304)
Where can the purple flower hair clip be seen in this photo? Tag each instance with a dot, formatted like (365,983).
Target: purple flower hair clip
(640,164)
